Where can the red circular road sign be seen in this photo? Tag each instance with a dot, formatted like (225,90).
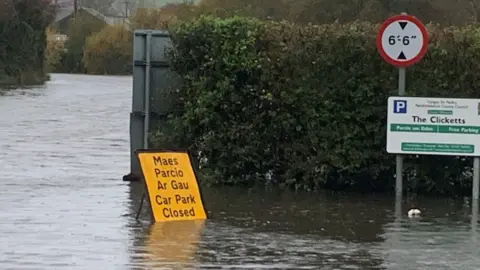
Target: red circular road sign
(402,40)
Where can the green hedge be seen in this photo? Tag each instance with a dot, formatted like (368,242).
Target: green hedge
(109,51)
(306,106)
(23,42)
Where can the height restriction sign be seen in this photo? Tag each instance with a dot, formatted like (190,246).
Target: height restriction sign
(402,40)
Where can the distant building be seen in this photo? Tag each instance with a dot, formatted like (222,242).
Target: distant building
(111,12)
(63,18)
(121,6)
(65,12)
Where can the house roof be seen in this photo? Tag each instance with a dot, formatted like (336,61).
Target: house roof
(64,12)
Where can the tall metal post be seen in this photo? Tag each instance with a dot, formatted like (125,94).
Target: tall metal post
(399,167)
(476,178)
(147,90)
(474,221)
(75,8)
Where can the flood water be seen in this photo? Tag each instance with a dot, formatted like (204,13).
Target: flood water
(63,205)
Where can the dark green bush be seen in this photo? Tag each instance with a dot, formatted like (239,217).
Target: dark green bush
(23,41)
(306,106)
(109,51)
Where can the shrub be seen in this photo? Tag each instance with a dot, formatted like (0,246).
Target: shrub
(161,18)
(306,106)
(23,41)
(54,50)
(329,11)
(109,51)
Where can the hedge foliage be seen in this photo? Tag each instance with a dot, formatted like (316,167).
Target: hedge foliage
(23,41)
(306,106)
(54,51)
(109,51)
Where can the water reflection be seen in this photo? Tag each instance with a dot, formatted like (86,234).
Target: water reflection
(474,222)
(444,237)
(334,216)
(259,229)
(172,244)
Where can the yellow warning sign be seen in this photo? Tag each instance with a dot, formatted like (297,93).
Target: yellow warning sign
(171,185)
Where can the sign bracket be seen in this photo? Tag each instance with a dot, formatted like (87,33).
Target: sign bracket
(142,199)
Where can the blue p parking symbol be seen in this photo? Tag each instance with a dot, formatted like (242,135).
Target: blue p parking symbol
(399,106)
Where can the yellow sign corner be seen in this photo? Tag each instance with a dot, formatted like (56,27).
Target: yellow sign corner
(171,185)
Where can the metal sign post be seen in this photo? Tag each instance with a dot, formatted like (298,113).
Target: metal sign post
(476,177)
(399,170)
(402,41)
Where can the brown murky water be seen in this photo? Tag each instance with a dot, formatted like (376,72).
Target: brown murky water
(64,149)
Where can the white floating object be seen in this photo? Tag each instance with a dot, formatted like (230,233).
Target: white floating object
(414,212)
